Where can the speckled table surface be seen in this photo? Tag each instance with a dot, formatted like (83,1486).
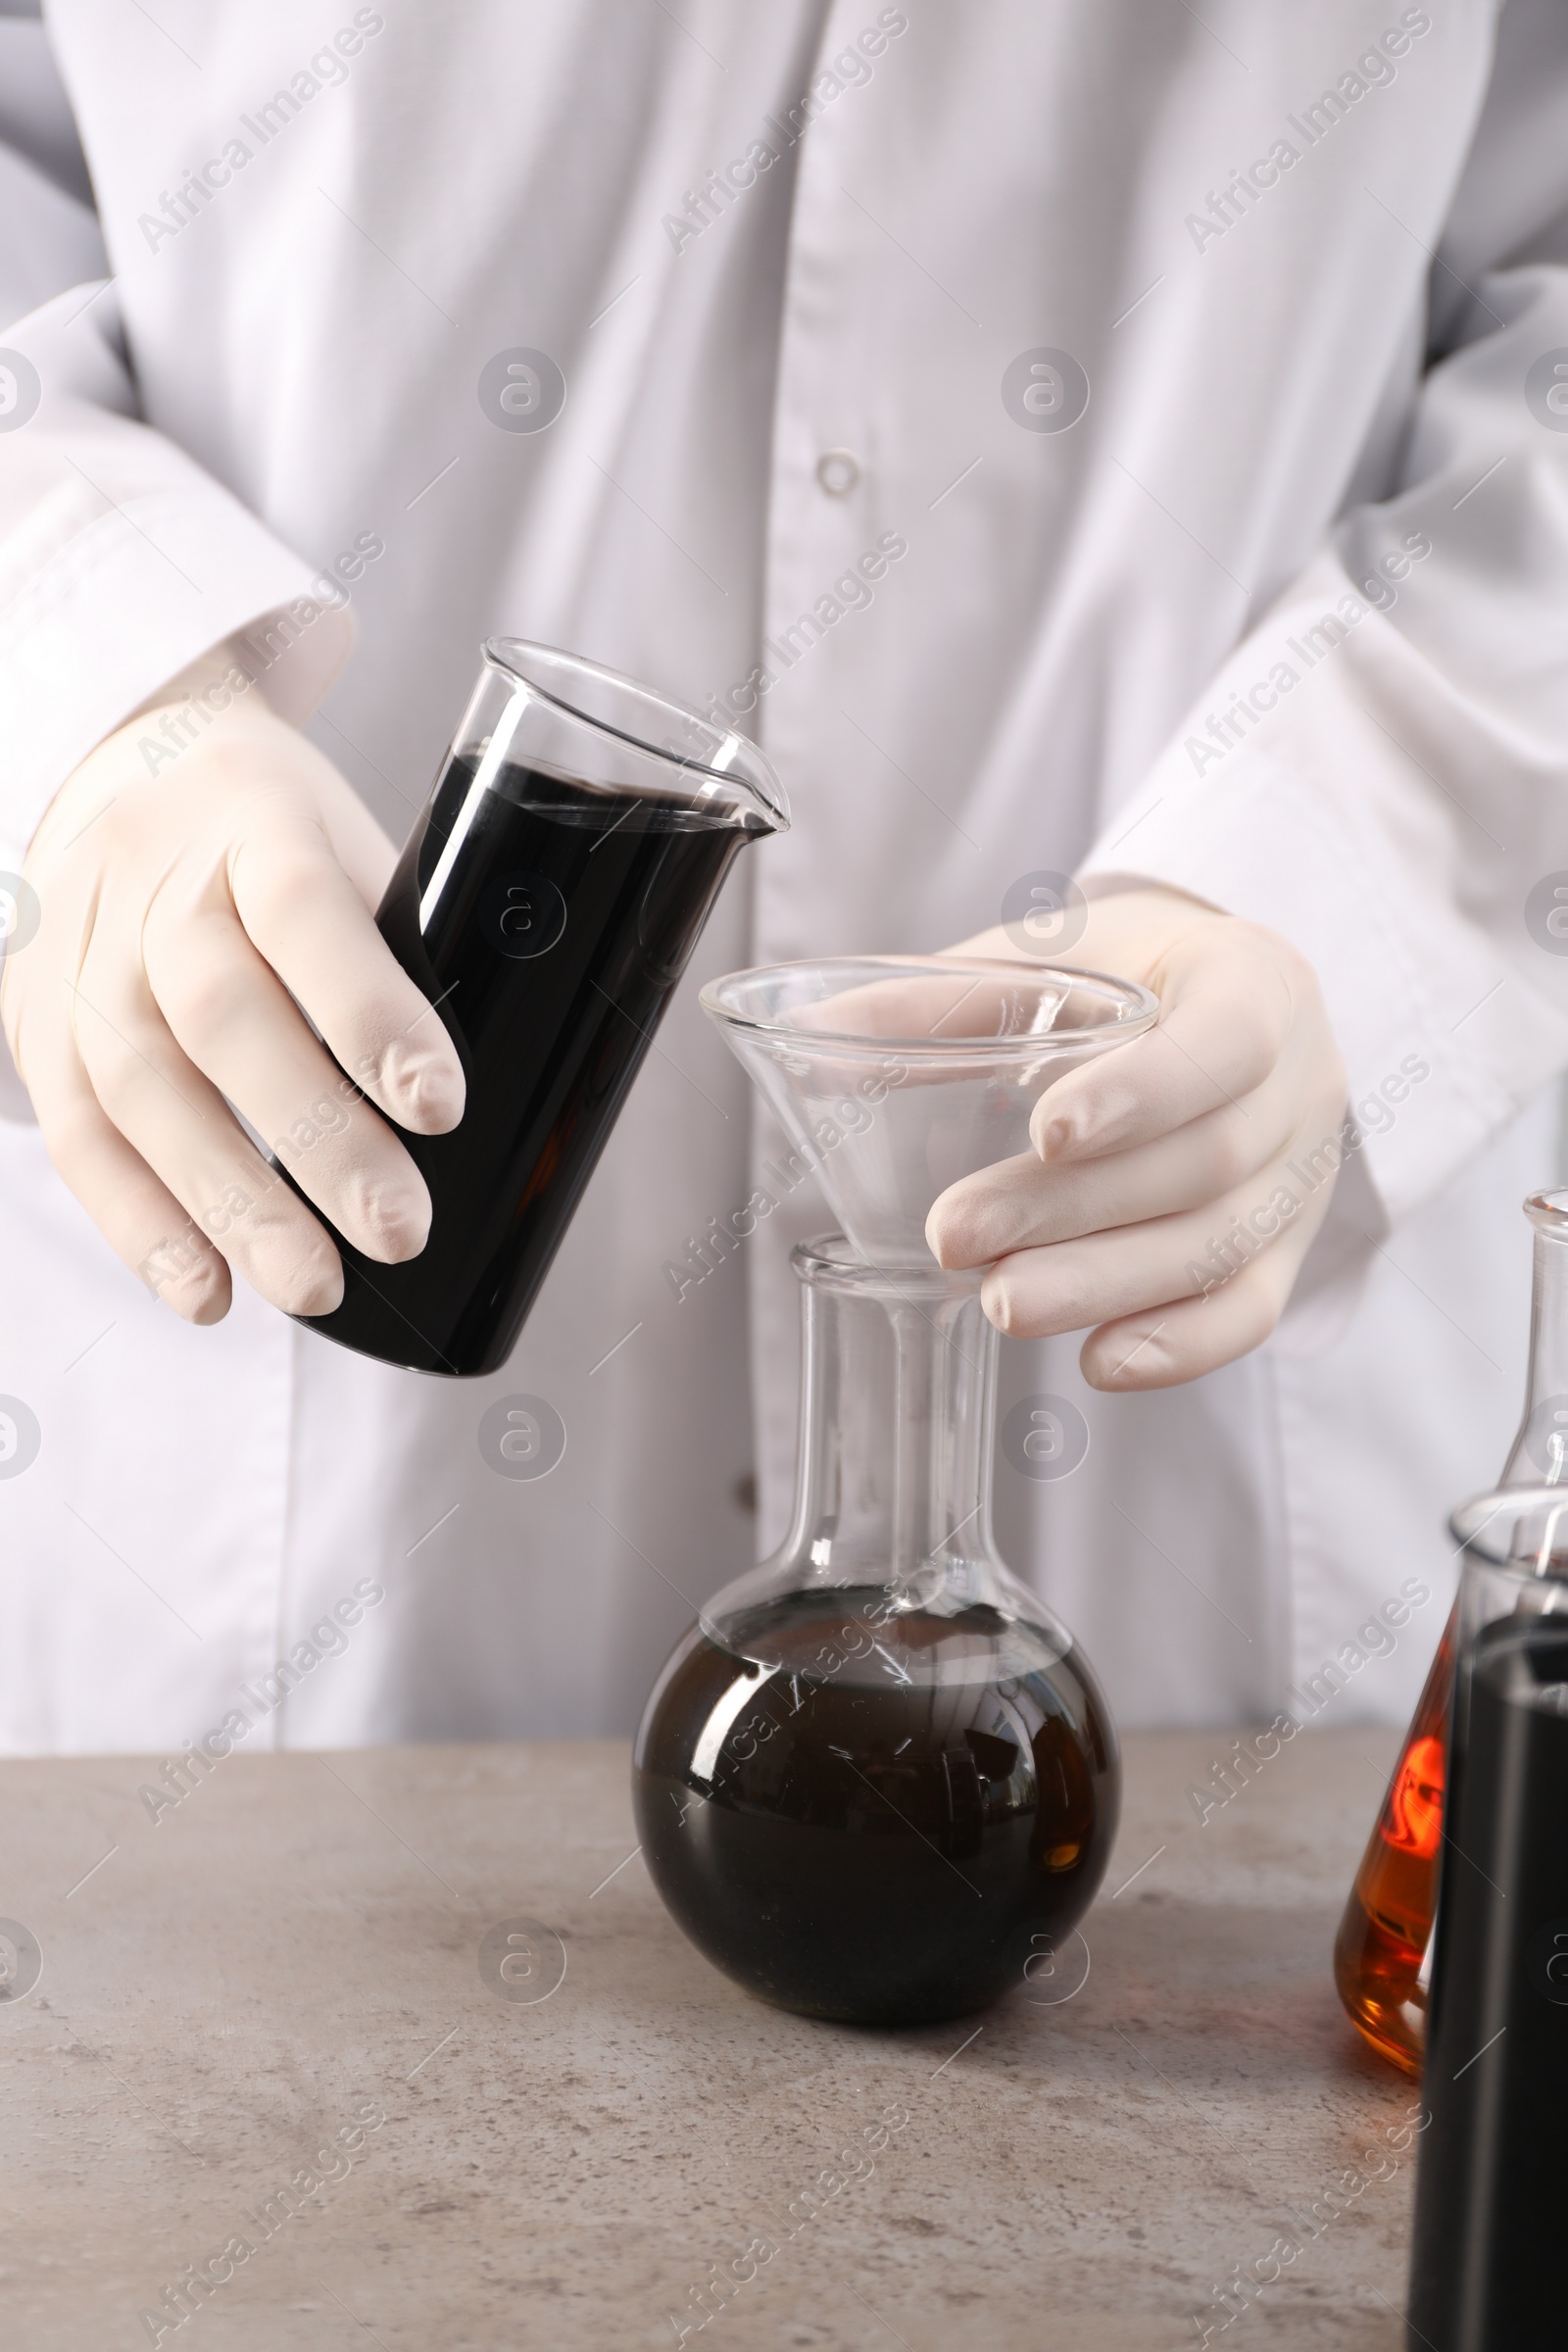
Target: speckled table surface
(280,2047)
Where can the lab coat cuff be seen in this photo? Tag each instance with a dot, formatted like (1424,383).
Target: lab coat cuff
(129,600)
(1350,811)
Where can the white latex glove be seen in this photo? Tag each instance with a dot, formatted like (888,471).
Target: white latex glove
(1145,1156)
(178,916)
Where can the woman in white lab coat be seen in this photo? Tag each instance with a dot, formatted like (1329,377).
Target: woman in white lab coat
(1232,561)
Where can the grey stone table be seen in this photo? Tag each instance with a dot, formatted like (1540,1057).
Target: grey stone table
(304,2043)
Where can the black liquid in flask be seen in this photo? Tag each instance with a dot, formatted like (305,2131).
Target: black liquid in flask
(862,1844)
(546,904)
(867,1795)
(1494,2170)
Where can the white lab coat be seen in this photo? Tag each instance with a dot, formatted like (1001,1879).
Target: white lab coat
(1285,398)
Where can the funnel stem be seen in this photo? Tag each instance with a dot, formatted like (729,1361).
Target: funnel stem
(914,1442)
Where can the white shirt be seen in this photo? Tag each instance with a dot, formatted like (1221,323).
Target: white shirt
(287,368)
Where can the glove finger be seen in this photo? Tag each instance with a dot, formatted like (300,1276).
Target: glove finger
(1188,1337)
(144,1224)
(1103,1276)
(1024,1203)
(235,1020)
(1223,1028)
(178,1122)
(310,925)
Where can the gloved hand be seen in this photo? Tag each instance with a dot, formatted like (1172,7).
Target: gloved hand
(181,914)
(1145,1156)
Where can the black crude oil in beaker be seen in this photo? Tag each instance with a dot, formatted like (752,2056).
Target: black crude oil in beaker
(547,904)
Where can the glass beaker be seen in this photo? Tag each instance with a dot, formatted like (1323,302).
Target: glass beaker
(877,1776)
(1486,2274)
(1383,1949)
(546,901)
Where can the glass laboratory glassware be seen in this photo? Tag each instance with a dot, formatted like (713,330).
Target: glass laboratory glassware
(1382,1954)
(1486,2264)
(878,1774)
(547,902)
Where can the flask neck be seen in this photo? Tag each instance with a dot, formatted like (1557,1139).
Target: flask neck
(897,1405)
(1540,1450)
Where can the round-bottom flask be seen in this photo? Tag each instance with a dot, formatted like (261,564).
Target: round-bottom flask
(878,1777)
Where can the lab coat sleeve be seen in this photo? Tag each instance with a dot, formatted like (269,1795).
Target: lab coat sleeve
(1379,771)
(48,229)
(122,561)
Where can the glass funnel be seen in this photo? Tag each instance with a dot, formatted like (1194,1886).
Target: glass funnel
(1382,1954)
(895,1075)
(878,1777)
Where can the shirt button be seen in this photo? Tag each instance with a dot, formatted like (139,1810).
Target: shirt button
(838,471)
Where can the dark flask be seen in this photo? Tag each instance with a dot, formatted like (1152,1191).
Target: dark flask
(1494,2170)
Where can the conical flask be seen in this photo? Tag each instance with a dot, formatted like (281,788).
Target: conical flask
(1382,1954)
(878,1777)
